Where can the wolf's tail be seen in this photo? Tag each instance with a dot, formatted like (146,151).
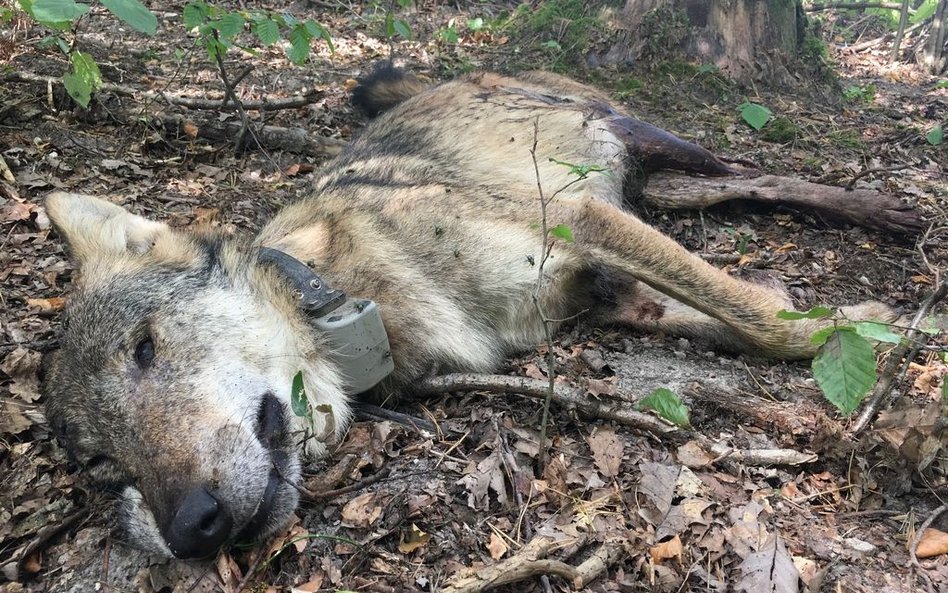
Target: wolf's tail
(385,87)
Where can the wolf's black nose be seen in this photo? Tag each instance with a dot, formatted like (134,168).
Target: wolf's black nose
(200,526)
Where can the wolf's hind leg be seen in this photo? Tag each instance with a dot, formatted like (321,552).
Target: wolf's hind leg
(608,236)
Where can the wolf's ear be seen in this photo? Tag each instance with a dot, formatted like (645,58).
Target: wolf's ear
(94,228)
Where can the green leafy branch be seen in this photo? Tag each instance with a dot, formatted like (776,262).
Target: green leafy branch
(845,363)
(219,30)
(63,16)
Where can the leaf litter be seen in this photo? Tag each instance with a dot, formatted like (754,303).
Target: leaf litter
(689,518)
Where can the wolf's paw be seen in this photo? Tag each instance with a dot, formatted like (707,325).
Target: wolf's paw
(870,311)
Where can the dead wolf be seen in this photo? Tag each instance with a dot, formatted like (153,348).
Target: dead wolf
(172,384)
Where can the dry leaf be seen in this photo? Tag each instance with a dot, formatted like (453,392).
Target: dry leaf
(361,511)
(770,569)
(607,450)
(190,129)
(933,543)
(693,455)
(413,539)
(50,304)
(314,584)
(666,550)
(206,216)
(496,546)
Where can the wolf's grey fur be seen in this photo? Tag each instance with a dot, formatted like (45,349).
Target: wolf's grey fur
(173,381)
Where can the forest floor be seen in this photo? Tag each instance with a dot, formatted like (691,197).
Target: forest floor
(415,508)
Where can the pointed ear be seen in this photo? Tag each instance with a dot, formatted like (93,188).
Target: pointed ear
(94,228)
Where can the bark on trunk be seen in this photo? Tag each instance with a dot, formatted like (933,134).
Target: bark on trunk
(933,57)
(748,40)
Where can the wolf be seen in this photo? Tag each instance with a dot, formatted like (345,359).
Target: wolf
(172,384)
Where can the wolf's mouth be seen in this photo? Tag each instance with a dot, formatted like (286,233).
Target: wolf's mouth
(272,433)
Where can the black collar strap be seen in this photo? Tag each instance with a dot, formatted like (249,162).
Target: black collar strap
(315,297)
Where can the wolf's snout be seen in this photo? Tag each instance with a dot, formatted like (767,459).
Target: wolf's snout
(200,526)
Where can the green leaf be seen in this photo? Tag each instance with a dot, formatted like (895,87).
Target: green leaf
(405,3)
(299,403)
(230,25)
(401,28)
(551,45)
(667,405)
(581,171)
(134,14)
(942,84)
(319,32)
(814,313)
(298,50)
(845,369)
(84,79)
(755,115)
(195,13)
(448,35)
(819,337)
(561,231)
(880,332)
(57,11)
(475,24)
(267,31)
(936,136)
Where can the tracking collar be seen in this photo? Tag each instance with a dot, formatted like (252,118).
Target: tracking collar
(357,338)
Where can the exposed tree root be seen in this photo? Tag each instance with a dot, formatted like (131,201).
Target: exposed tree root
(531,561)
(859,206)
(564,395)
(785,416)
(295,140)
(189,102)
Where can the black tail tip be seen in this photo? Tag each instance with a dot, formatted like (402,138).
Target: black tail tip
(384,87)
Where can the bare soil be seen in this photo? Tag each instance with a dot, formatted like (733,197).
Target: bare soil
(419,504)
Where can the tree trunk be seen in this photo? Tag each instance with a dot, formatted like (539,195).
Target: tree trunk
(748,40)
(933,57)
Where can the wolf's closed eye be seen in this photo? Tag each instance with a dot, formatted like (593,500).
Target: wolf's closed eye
(145,353)
(104,472)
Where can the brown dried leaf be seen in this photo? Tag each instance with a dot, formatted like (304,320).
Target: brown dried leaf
(933,543)
(496,546)
(770,569)
(47,305)
(607,450)
(692,455)
(486,476)
(658,485)
(413,539)
(362,511)
(666,550)
(314,583)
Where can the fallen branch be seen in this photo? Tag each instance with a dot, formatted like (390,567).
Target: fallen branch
(913,549)
(189,102)
(763,457)
(859,206)
(853,6)
(295,140)
(568,397)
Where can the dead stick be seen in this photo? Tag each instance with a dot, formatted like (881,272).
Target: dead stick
(47,533)
(891,370)
(188,102)
(568,397)
(913,549)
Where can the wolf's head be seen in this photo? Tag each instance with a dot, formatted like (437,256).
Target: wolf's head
(172,384)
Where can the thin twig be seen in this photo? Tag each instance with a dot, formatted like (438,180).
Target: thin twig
(892,367)
(547,330)
(913,549)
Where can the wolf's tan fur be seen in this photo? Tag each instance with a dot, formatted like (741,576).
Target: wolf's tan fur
(433,213)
